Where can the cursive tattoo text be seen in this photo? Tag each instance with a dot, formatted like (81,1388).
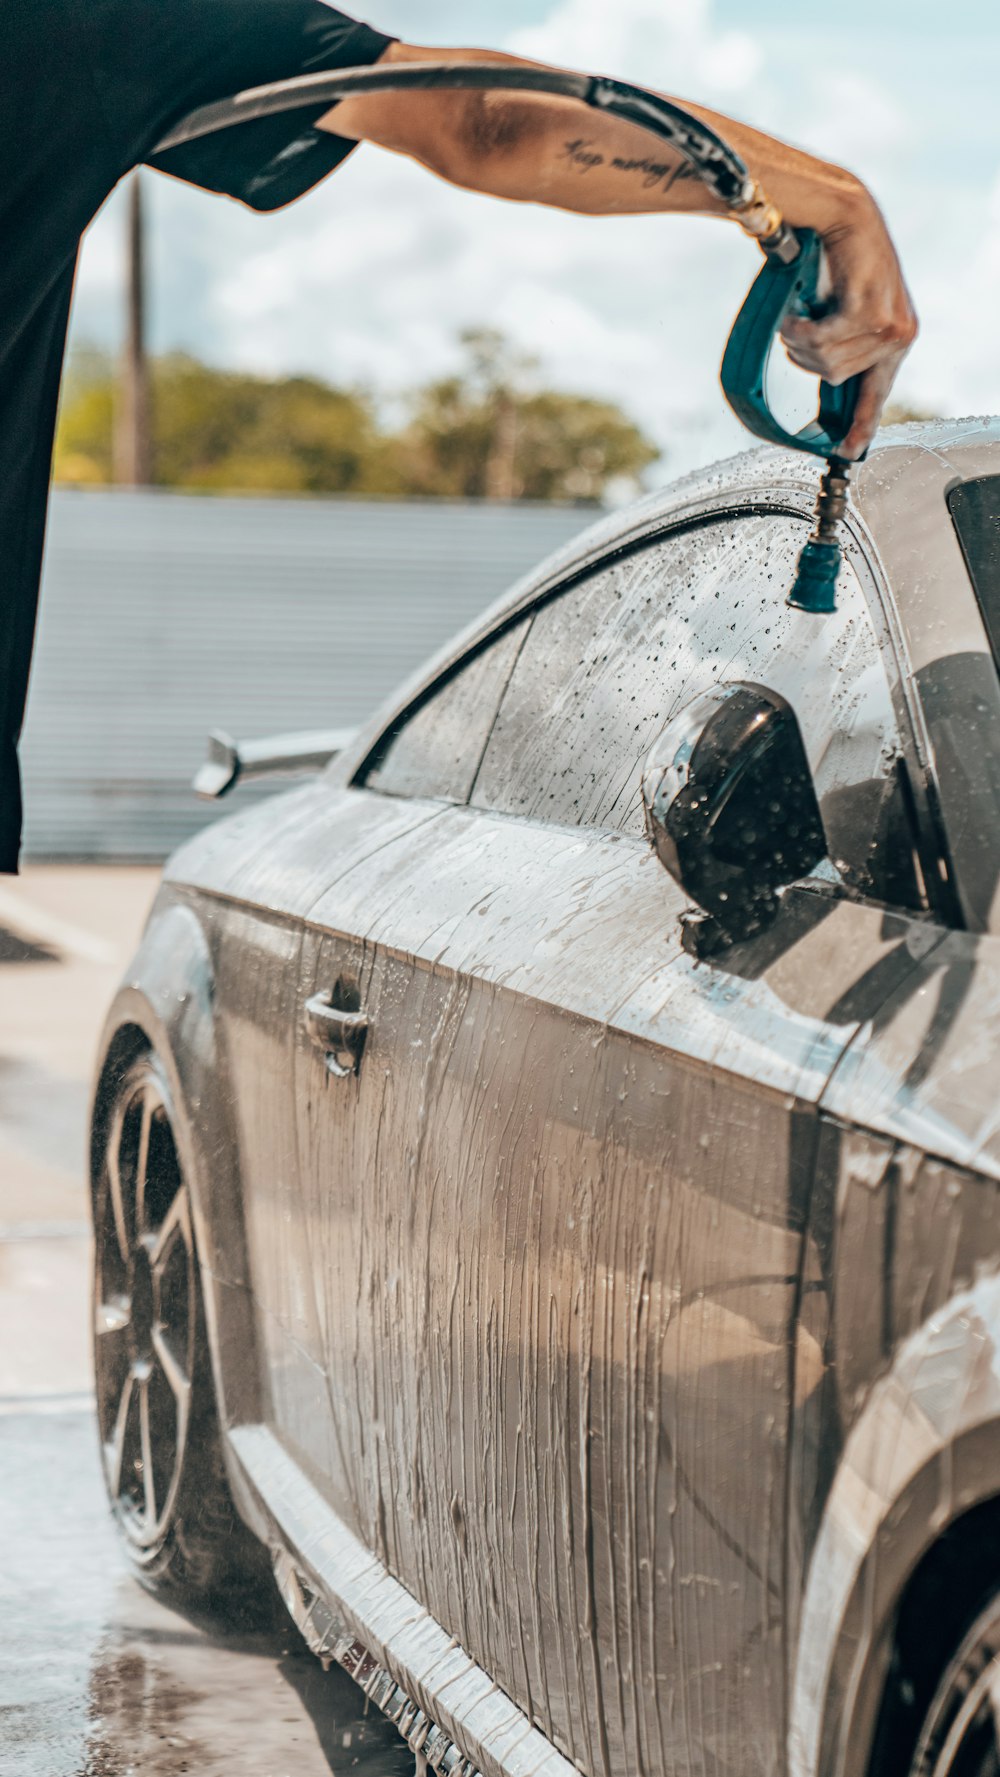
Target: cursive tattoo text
(585,158)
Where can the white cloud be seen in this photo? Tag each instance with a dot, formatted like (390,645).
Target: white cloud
(852,116)
(670,43)
(958,295)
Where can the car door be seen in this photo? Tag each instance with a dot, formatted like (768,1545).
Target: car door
(256,877)
(321,1247)
(558,1211)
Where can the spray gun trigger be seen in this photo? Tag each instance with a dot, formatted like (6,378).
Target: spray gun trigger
(814,298)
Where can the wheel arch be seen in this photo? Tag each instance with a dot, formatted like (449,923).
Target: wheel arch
(923,1454)
(166,1005)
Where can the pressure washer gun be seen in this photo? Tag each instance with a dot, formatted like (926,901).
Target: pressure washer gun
(790,283)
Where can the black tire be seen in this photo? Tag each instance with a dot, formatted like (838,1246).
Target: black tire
(161,1445)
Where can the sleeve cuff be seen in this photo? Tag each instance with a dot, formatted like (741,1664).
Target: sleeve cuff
(272,161)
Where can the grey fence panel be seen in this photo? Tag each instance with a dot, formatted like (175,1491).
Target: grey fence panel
(164,615)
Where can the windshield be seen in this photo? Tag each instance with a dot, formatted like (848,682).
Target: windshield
(975,512)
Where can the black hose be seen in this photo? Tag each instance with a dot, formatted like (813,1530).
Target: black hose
(721,169)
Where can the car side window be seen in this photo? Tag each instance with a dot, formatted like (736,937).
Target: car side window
(436,751)
(608,662)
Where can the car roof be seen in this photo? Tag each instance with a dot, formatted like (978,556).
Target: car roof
(909,465)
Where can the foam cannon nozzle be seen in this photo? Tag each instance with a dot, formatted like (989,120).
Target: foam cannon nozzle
(815,587)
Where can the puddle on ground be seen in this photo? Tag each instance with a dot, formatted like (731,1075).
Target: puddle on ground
(99,1680)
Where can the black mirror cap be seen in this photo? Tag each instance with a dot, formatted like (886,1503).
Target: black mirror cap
(731,809)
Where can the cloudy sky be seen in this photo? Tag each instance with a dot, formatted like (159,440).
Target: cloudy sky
(370,278)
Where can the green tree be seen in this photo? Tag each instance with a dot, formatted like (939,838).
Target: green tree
(482,433)
(222,429)
(83,452)
(218,430)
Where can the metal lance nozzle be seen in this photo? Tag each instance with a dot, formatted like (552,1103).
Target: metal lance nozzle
(815,586)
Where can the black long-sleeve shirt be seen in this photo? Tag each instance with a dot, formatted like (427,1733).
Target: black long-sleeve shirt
(87,89)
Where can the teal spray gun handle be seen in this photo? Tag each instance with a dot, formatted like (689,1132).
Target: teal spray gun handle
(790,285)
(784,288)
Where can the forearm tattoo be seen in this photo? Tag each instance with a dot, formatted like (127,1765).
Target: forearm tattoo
(584,158)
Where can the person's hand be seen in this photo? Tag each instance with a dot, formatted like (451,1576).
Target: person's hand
(872,325)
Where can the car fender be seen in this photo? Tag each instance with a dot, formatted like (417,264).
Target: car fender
(166,1002)
(924,1450)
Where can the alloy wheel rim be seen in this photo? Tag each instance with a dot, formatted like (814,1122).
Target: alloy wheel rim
(145,1313)
(961,1735)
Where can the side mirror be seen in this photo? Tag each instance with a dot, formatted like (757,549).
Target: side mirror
(731,810)
(227,763)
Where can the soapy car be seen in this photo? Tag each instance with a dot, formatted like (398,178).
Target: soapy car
(545,1166)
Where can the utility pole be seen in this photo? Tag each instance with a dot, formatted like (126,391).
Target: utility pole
(133,452)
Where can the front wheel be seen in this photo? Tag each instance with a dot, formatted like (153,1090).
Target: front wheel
(159,1431)
(960,1735)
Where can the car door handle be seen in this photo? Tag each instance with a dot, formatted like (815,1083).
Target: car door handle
(340,1035)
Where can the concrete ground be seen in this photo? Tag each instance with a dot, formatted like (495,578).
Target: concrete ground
(97,1680)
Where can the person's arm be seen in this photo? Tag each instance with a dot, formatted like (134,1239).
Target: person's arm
(531,148)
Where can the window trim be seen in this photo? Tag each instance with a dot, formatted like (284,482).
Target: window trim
(989,608)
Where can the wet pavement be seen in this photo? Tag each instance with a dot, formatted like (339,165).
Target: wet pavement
(96,1678)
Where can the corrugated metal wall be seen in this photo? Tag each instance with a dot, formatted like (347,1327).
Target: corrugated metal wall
(164,615)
